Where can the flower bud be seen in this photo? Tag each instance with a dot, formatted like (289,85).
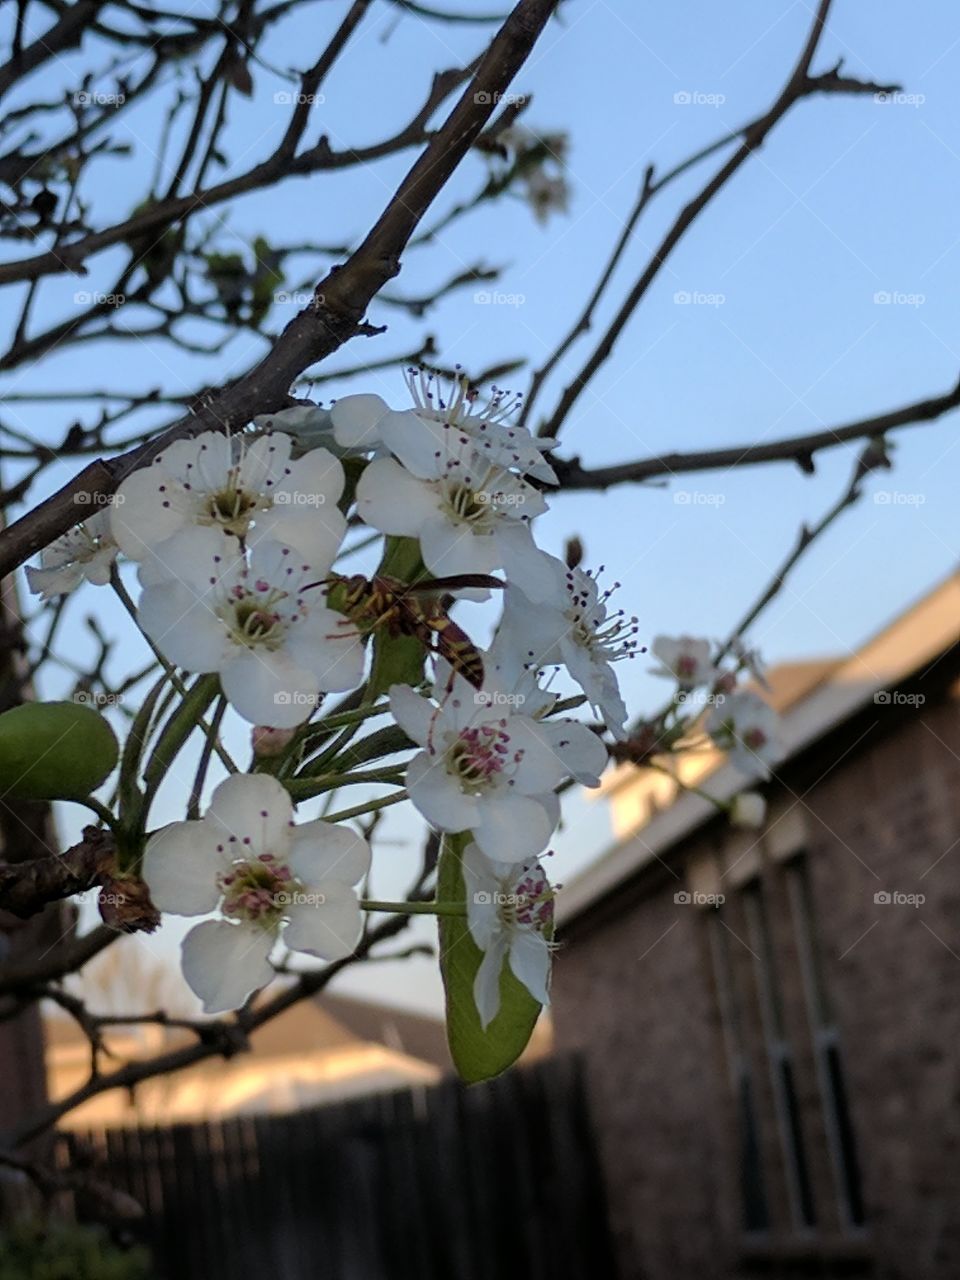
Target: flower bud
(54,751)
(267,742)
(748,810)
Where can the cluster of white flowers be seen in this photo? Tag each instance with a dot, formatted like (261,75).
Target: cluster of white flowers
(236,538)
(739,720)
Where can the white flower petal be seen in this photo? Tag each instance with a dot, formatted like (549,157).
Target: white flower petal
(329,928)
(268,688)
(264,462)
(525,565)
(204,459)
(225,963)
(204,558)
(253,812)
(329,645)
(180,866)
(318,474)
(183,626)
(99,567)
(486,983)
(325,851)
(540,767)
(530,962)
(438,796)
(481,884)
(511,828)
(305,422)
(150,506)
(414,715)
(597,680)
(423,445)
(580,751)
(356,421)
(450,548)
(314,532)
(392,500)
(47,583)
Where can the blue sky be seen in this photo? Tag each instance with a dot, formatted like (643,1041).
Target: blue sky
(849,198)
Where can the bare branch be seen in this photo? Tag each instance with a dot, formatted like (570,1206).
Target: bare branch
(220,1038)
(800,85)
(66,33)
(798,449)
(59,962)
(871,459)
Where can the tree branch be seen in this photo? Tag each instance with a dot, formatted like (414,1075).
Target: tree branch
(27,887)
(219,1038)
(798,449)
(340,300)
(65,34)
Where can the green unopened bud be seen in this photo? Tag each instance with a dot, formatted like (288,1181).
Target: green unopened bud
(54,751)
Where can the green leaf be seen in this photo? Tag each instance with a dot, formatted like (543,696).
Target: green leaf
(477,1054)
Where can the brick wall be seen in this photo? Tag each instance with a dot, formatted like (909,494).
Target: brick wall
(636,990)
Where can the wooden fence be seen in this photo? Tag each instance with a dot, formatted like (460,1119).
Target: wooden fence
(440,1183)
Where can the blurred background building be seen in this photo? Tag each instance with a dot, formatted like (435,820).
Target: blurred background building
(769,1020)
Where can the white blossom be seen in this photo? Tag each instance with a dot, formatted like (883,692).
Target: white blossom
(509,915)
(487,768)
(84,554)
(245,486)
(262,625)
(574,627)
(749,730)
(453,416)
(547,193)
(469,516)
(265,877)
(750,661)
(684,659)
(447,414)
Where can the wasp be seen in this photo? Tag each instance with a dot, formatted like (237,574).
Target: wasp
(416,610)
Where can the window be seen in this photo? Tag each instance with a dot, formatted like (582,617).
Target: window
(763,945)
(780,1060)
(826,1040)
(756,1212)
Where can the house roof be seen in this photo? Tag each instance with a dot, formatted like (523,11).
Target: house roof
(418,1035)
(814,698)
(325,1023)
(320,1050)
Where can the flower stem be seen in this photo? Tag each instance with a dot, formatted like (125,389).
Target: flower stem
(307,788)
(415,908)
(193,807)
(175,733)
(101,810)
(370,807)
